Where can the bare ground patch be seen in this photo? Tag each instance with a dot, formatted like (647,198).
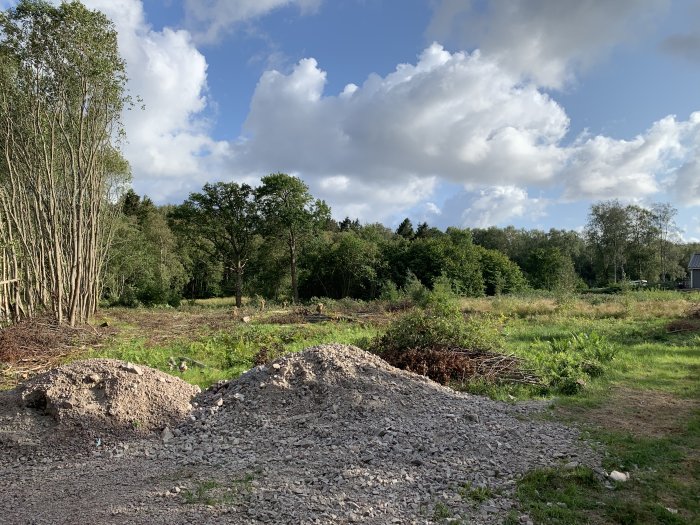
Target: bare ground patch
(645,413)
(163,326)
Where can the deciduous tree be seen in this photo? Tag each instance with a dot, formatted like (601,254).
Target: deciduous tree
(289,212)
(225,215)
(62,90)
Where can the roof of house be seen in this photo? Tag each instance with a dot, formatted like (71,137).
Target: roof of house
(694,261)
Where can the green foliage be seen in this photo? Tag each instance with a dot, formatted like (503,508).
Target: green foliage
(289,212)
(201,494)
(438,325)
(62,94)
(567,364)
(338,265)
(405,229)
(144,267)
(550,269)
(235,491)
(415,290)
(441,511)
(630,242)
(475,494)
(222,222)
(389,291)
(500,274)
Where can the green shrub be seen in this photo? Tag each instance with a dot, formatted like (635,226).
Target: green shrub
(566,364)
(389,291)
(500,274)
(439,325)
(415,289)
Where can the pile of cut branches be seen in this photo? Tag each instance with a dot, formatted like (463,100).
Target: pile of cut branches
(689,323)
(34,338)
(450,364)
(34,345)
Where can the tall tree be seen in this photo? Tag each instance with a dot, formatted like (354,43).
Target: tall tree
(62,91)
(289,211)
(607,232)
(338,265)
(405,229)
(641,251)
(664,219)
(224,214)
(550,269)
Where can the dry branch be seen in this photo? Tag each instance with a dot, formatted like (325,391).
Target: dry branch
(452,364)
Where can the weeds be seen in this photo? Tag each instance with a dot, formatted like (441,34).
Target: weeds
(235,492)
(567,364)
(439,325)
(441,512)
(476,494)
(202,494)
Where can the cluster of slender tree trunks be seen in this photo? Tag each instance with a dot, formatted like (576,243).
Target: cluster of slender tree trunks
(61,96)
(53,235)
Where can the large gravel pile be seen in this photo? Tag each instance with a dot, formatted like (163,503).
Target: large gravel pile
(329,435)
(337,433)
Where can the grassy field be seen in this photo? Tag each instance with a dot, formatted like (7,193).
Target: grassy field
(644,410)
(642,407)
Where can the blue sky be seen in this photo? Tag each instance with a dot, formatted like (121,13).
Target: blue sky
(457,112)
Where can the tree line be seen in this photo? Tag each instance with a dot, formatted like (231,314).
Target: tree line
(278,242)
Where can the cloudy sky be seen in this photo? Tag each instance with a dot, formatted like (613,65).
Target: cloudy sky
(457,112)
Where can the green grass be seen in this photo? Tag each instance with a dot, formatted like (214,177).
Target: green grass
(441,512)
(475,494)
(665,469)
(662,489)
(227,354)
(236,491)
(201,494)
(560,496)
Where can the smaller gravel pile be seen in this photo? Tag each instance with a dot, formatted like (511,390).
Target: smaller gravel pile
(90,399)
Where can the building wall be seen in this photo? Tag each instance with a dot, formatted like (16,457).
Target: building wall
(696,278)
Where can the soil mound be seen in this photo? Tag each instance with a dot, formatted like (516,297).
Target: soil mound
(95,398)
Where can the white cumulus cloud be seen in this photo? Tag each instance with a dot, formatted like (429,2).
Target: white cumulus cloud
(382,147)
(495,205)
(456,116)
(664,158)
(169,145)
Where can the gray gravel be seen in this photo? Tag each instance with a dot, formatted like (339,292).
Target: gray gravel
(330,435)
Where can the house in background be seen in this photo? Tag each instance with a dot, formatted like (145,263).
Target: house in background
(694,269)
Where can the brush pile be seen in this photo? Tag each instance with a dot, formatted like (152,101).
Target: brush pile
(452,364)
